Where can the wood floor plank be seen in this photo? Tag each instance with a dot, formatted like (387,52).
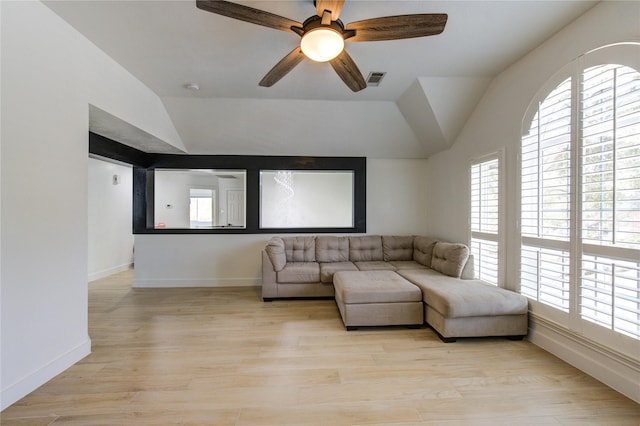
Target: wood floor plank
(330,414)
(221,356)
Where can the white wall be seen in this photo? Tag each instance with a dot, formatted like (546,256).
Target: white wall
(171,199)
(496,125)
(396,199)
(234,260)
(110,212)
(50,74)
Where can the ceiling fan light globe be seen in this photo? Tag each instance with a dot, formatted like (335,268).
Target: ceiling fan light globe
(322,44)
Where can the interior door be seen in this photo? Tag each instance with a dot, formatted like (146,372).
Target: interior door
(235,207)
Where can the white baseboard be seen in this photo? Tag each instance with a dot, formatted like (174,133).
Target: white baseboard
(222,282)
(31,382)
(109,271)
(615,370)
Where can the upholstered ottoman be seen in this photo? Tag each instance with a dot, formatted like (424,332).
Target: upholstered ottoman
(377,298)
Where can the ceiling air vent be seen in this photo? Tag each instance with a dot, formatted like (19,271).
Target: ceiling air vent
(375,78)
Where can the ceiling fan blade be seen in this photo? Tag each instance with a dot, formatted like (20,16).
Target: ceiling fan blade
(281,69)
(398,27)
(334,6)
(348,71)
(247,14)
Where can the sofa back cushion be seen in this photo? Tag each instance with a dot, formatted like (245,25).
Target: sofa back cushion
(397,248)
(449,258)
(365,248)
(300,249)
(332,249)
(275,251)
(423,250)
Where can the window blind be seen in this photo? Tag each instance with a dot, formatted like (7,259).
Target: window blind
(546,156)
(485,254)
(546,201)
(600,182)
(611,156)
(610,186)
(485,207)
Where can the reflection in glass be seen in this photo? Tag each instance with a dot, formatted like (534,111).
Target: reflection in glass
(199,198)
(201,207)
(306,199)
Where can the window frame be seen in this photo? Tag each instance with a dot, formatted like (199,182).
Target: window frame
(625,54)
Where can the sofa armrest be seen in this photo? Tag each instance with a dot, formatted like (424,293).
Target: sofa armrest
(269,278)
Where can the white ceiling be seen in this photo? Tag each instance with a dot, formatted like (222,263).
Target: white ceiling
(431,87)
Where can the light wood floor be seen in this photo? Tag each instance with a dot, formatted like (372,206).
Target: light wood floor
(223,357)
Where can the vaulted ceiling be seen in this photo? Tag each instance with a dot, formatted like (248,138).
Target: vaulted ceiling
(431,87)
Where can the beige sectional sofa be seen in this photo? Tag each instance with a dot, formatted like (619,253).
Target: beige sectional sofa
(374,280)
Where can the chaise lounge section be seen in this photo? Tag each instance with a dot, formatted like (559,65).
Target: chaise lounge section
(469,308)
(393,280)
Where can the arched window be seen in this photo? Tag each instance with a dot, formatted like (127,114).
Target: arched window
(580,189)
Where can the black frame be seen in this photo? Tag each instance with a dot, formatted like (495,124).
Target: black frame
(144,166)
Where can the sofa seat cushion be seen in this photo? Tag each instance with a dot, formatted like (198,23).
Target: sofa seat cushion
(374,287)
(299,272)
(378,265)
(455,298)
(328,269)
(407,264)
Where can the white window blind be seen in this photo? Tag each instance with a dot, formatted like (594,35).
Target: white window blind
(485,207)
(609,294)
(611,156)
(610,186)
(546,201)
(545,276)
(586,264)
(546,156)
(485,254)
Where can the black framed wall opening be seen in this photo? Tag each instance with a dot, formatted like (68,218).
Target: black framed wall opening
(348,174)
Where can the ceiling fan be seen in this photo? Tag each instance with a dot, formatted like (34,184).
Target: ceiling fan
(323,35)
